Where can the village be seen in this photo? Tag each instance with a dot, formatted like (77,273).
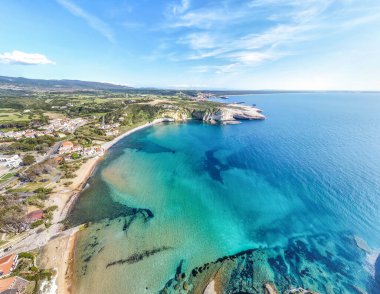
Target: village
(18,272)
(46,158)
(57,128)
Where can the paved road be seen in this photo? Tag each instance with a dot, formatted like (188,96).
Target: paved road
(35,239)
(4,184)
(48,155)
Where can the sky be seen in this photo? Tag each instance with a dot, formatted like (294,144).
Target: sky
(214,44)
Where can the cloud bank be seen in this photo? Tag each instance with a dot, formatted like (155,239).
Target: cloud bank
(23,58)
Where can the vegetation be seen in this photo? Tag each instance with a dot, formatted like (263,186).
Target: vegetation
(6,177)
(26,269)
(40,144)
(75,155)
(12,214)
(36,224)
(28,159)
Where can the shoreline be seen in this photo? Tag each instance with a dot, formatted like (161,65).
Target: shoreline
(90,166)
(106,146)
(65,271)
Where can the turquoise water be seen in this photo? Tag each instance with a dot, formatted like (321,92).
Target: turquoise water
(301,185)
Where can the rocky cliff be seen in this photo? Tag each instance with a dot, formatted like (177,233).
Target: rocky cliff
(230,113)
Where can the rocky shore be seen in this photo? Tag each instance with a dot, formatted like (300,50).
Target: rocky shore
(301,267)
(229,113)
(222,114)
(238,273)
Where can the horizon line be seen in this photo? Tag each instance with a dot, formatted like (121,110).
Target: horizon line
(193,88)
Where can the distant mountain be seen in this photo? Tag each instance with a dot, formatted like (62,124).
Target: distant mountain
(18,83)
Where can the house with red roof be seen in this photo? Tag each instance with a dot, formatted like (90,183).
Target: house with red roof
(65,147)
(35,215)
(13,285)
(8,264)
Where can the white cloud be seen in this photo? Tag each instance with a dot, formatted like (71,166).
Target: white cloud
(18,57)
(198,41)
(93,21)
(180,7)
(219,69)
(251,57)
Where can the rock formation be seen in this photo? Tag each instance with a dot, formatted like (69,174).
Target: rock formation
(229,113)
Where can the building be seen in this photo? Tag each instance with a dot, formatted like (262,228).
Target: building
(77,148)
(110,133)
(35,215)
(93,151)
(14,285)
(30,135)
(8,264)
(10,161)
(58,159)
(65,147)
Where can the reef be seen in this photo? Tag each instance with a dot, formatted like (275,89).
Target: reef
(308,265)
(138,256)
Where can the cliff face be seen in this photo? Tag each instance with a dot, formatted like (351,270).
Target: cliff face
(177,115)
(226,114)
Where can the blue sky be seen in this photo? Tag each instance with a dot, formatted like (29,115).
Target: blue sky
(236,44)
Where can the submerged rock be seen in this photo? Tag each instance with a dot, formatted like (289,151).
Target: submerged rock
(270,288)
(377,270)
(362,244)
(299,291)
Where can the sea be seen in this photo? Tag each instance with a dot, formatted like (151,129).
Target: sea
(303,185)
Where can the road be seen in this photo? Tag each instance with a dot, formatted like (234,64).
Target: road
(35,239)
(48,155)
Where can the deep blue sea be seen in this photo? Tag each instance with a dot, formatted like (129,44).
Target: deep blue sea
(304,185)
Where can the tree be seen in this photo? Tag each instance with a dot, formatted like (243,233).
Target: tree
(75,155)
(28,159)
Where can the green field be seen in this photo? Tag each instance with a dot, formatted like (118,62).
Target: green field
(6,177)
(7,114)
(12,115)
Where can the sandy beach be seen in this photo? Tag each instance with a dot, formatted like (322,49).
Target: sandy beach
(59,251)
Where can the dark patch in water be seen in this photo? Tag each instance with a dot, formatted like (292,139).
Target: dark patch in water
(214,166)
(377,270)
(136,257)
(147,213)
(147,146)
(95,205)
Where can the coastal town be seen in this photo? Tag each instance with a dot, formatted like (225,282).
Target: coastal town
(47,152)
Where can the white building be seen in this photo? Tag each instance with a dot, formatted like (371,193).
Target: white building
(11,161)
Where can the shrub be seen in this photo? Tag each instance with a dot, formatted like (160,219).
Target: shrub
(26,255)
(51,208)
(28,159)
(75,155)
(37,223)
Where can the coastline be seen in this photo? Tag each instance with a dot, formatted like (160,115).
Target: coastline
(109,144)
(64,265)
(88,168)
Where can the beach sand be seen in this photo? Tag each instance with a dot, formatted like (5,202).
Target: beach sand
(59,254)
(59,251)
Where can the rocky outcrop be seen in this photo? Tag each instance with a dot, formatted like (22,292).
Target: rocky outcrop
(299,291)
(270,288)
(229,113)
(177,115)
(243,112)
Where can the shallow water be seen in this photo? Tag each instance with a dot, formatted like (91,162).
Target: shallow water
(300,184)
